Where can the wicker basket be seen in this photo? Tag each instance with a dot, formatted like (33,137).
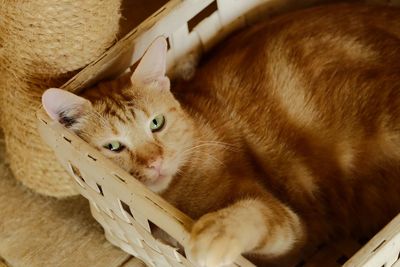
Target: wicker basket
(121,204)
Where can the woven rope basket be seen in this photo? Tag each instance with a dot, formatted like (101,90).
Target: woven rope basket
(121,204)
(43,43)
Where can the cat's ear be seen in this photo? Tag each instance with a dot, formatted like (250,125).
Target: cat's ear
(64,107)
(152,66)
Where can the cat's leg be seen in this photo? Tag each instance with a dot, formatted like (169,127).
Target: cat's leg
(256,225)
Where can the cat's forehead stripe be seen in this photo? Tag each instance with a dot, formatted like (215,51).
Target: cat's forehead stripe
(128,97)
(144,109)
(114,129)
(132,112)
(115,114)
(173,109)
(117,109)
(113,101)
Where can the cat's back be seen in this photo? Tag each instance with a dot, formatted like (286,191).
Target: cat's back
(303,66)
(315,91)
(351,29)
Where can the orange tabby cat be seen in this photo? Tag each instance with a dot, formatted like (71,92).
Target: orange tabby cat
(288,135)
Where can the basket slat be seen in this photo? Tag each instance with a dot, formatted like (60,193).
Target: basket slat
(382,250)
(171,21)
(129,49)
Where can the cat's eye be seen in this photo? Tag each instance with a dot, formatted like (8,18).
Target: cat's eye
(114,146)
(157,123)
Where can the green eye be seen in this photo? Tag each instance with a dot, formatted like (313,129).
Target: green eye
(114,146)
(157,123)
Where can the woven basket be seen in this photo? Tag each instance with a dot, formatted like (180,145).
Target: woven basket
(121,204)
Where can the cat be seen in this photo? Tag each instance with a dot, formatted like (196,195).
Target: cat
(287,136)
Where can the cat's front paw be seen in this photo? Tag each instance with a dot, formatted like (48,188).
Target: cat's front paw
(214,241)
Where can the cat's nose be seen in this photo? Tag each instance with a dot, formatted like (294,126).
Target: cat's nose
(155,164)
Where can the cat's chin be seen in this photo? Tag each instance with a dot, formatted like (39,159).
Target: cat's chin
(159,184)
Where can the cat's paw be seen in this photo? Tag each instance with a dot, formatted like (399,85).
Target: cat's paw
(214,242)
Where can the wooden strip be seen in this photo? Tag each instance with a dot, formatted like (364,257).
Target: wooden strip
(397,263)
(129,49)
(377,251)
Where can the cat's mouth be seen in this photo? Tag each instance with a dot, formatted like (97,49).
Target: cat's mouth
(155,181)
(158,179)
(158,183)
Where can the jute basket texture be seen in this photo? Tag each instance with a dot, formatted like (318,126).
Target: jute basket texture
(43,43)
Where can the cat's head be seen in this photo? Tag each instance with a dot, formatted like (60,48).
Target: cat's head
(141,126)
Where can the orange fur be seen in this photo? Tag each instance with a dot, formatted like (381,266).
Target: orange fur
(287,136)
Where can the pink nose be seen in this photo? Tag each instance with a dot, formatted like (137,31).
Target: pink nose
(156,165)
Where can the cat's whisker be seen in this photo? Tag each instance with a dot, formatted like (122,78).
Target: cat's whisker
(179,172)
(215,158)
(193,155)
(218,142)
(100,117)
(208,144)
